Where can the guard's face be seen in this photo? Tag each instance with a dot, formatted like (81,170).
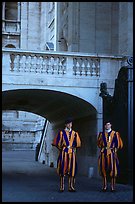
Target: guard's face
(69,125)
(108,126)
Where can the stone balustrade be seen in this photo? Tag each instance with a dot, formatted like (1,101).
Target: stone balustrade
(51,63)
(51,68)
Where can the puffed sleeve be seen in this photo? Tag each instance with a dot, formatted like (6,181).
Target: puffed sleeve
(100,140)
(78,140)
(120,142)
(57,141)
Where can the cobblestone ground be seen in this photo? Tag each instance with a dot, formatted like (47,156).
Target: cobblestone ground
(25,180)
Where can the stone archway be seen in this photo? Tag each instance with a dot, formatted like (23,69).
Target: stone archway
(56,106)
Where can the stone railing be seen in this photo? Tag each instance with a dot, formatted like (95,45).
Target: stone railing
(51,63)
(70,64)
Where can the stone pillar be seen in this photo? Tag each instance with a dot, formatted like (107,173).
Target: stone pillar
(3,10)
(55,25)
(43,25)
(18,16)
(18,20)
(73,26)
(24,25)
(3,16)
(126,28)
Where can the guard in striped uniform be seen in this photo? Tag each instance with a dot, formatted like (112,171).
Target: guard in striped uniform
(109,142)
(67,141)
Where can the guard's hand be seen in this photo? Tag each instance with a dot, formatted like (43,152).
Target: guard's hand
(115,149)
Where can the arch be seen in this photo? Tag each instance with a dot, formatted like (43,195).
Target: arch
(87,96)
(53,105)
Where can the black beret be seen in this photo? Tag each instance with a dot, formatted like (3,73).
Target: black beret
(68,120)
(107,121)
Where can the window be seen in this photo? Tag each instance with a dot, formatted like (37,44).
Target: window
(11,10)
(49,46)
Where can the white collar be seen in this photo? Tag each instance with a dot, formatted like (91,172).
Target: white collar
(108,130)
(68,129)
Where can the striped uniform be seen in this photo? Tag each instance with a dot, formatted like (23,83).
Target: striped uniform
(108,161)
(66,163)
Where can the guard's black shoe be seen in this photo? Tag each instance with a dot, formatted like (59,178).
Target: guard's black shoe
(61,190)
(71,189)
(113,190)
(104,189)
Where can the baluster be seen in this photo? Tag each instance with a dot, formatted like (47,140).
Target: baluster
(90,69)
(27,64)
(74,66)
(47,64)
(12,57)
(55,70)
(97,67)
(16,63)
(93,68)
(56,66)
(52,65)
(22,63)
(80,67)
(77,68)
(37,65)
(87,68)
(49,68)
(60,66)
(63,65)
(19,67)
(58,60)
(83,70)
(34,63)
(40,64)
(44,65)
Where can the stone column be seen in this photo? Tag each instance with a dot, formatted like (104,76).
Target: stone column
(43,25)
(73,26)
(3,16)
(24,25)
(56,9)
(18,16)
(126,28)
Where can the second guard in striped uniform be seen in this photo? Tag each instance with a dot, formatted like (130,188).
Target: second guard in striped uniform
(109,141)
